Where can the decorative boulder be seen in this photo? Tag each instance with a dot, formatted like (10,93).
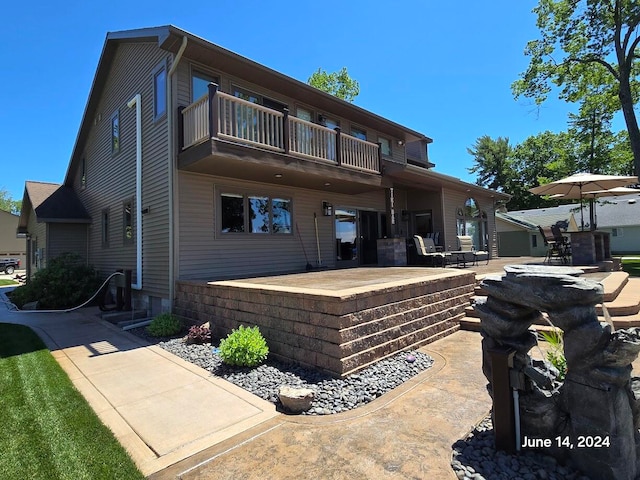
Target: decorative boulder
(294,399)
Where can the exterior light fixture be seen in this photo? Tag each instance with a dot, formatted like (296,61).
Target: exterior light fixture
(400,142)
(278,175)
(327,209)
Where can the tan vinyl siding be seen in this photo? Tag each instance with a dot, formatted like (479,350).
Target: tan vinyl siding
(38,232)
(110,180)
(207,253)
(66,237)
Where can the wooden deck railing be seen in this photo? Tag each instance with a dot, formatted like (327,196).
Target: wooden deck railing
(220,115)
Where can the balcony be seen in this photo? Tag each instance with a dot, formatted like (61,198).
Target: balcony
(221,116)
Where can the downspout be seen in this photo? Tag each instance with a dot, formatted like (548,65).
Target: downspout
(171,170)
(137,102)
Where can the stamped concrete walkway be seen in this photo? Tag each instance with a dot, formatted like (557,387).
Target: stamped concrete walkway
(405,434)
(161,408)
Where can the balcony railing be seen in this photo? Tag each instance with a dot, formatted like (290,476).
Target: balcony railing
(220,115)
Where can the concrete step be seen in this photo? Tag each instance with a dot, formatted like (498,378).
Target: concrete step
(627,300)
(122,319)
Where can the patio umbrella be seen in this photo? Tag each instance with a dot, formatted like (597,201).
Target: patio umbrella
(575,186)
(612,192)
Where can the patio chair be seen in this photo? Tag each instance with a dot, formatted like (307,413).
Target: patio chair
(554,249)
(426,251)
(563,243)
(467,251)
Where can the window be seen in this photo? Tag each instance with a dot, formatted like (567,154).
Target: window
(115,133)
(265,215)
(304,114)
(159,91)
(232,213)
(281,215)
(83,173)
(534,240)
(358,133)
(616,232)
(385,146)
(200,84)
(105,227)
(472,221)
(127,222)
(259,214)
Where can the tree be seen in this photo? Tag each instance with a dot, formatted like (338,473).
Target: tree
(597,41)
(339,84)
(492,163)
(8,204)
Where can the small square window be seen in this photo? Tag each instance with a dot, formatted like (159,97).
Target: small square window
(159,91)
(115,133)
(358,133)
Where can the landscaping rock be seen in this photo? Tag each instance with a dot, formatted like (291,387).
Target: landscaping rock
(296,400)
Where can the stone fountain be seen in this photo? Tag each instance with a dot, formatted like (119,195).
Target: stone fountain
(593,416)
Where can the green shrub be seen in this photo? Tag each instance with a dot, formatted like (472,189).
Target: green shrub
(244,347)
(555,354)
(164,325)
(66,282)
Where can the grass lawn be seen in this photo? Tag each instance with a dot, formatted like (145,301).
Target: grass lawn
(48,430)
(4,282)
(631,266)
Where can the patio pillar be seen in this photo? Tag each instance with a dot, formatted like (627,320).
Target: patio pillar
(392,223)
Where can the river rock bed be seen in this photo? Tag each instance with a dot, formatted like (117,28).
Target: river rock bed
(475,458)
(332,395)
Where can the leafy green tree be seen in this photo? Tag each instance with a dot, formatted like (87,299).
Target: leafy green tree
(8,204)
(338,84)
(589,50)
(492,163)
(539,159)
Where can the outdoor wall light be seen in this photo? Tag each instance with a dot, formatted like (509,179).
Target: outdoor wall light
(400,142)
(327,209)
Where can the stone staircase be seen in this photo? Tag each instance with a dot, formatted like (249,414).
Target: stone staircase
(621,301)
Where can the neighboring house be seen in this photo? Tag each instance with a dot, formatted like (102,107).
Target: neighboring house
(54,222)
(620,216)
(11,245)
(196,163)
(519,235)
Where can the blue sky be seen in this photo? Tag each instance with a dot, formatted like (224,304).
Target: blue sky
(441,68)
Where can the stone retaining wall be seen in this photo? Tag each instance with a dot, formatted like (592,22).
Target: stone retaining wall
(339,333)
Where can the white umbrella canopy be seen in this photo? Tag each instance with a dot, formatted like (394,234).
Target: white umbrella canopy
(578,185)
(575,186)
(612,192)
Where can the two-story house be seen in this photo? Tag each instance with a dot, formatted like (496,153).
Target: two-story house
(194,162)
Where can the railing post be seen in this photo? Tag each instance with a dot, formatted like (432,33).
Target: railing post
(180,129)
(379,157)
(285,130)
(214,127)
(338,146)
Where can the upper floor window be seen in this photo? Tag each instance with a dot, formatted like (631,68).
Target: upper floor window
(304,114)
(115,133)
(200,84)
(83,173)
(385,146)
(259,99)
(159,91)
(358,133)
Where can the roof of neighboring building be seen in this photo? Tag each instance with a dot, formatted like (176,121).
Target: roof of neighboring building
(610,212)
(51,202)
(516,221)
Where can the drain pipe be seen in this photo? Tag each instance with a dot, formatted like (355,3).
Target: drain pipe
(171,170)
(136,100)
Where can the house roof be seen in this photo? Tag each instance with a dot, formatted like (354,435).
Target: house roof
(611,212)
(520,223)
(52,203)
(170,38)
